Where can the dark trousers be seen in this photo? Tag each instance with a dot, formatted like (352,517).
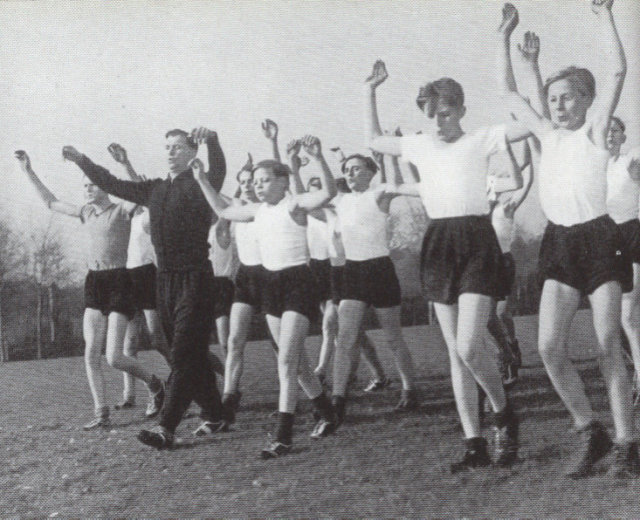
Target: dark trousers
(185,305)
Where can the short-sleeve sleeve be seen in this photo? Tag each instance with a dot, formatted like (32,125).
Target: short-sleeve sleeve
(412,147)
(494,139)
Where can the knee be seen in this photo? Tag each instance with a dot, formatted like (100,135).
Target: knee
(114,358)
(235,346)
(630,317)
(92,353)
(551,350)
(608,341)
(468,351)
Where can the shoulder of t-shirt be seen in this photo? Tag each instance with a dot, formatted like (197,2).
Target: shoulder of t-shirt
(85,211)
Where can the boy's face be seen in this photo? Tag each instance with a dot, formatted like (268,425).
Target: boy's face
(179,153)
(245,180)
(268,187)
(92,194)
(357,175)
(448,120)
(568,104)
(616,136)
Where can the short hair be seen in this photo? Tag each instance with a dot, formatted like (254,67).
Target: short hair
(176,131)
(616,119)
(278,169)
(314,181)
(586,81)
(447,89)
(368,162)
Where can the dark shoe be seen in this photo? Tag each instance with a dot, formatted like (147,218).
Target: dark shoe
(323,428)
(475,455)
(595,444)
(626,463)
(126,404)
(98,422)
(505,430)
(408,401)
(376,385)
(155,402)
(211,427)
(158,437)
(274,449)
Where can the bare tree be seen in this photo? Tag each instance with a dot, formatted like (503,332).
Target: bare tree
(49,269)
(12,259)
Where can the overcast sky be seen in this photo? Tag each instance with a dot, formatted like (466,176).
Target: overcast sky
(89,73)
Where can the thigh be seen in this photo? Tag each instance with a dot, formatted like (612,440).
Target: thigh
(389,320)
(448,319)
(94,329)
(116,330)
(474,312)
(273,322)
(558,305)
(606,303)
(294,327)
(350,316)
(632,298)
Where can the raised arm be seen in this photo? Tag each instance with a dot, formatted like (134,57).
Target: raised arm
(529,52)
(510,206)
(315,199)
(507,88)
(375,140)
(119,155)
(395,162)
(217,162)
(379,159)
(514,181)
(616,65)
(136,192)
(48,198)
(219,205)
(270,130)
(293,152)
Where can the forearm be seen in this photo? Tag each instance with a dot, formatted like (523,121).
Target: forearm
(137,192)
(133,175)
(295,180)
(397,172)
(372,123)
(276,151)
(328,182)
(415,174)
(506,79)
(217,163)
(44,193)
(215,200)
(383,171)
(617,61)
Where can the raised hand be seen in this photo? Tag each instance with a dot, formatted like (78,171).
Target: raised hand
(599,6)
(118,153)
(293,153)
(510,19)
(201,134)
(378,75)
(23,159)
(71,154)
(339,153)
(197,167)
(530,48)
(270,129)
(312,146)
(248,166)
(377,157)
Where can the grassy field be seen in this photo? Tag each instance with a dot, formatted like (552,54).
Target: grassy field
(378,464)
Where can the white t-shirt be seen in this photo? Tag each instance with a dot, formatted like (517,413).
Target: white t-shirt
(363,226)
(337,256)
(453,176)
(623,192)
(317,238)
(107,235)
(573,177)
(140,250)
(223,260)
(282,241)
(247,243)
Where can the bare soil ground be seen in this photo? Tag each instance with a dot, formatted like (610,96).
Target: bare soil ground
(379,464)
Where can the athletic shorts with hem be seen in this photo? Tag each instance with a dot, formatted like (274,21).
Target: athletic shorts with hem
(461,255)
(321,271)
(143,286)
(337,283)
(372,281)
(290,289)
(249,284)
(109,291)
(585,256)
(630,231)
(223,293)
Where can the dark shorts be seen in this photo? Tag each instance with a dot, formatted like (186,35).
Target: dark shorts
(337,283)
(143,283)
(223,293)
(630,231)
(291,289)
(373,282)
(109,291)
(461,255)
(585,256)
(509,274)
(249,284)
(321,271)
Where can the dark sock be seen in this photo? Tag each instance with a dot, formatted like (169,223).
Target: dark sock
(155,385)
(323,405)
(284,434)
(503,417)
(339,405)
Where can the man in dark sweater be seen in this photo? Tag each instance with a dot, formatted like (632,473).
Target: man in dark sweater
(180,220)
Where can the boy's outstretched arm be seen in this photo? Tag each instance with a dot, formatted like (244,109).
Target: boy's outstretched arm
(374,138)
(529,51)
(609,95)
(270,130)
(217,162)
(316,199)
(47,196)
(293,152)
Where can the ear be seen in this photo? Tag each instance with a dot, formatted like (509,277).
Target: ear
(624,138)
(463,111)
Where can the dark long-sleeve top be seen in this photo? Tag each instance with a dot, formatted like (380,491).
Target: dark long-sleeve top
(179,214)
